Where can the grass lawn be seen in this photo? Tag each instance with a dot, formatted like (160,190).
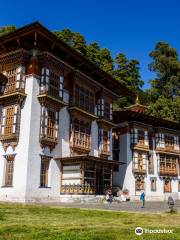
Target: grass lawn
(42,222)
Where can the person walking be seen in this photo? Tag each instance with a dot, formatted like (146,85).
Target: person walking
(142,198)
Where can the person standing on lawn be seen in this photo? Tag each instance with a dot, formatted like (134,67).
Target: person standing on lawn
(142,198)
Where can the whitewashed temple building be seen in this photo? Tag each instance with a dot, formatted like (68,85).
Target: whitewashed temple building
(149,147)
(58,136)
(56,119)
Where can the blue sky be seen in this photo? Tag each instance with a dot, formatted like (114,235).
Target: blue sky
(131,27)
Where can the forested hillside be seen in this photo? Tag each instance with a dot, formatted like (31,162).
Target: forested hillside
(163,96)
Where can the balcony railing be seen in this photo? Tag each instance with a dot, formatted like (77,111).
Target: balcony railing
(169,147)
(139,170)
(52,91)
(168,171)
(13,87)
(105,149)
(81,140)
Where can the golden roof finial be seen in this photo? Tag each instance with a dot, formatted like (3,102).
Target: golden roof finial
(137,99)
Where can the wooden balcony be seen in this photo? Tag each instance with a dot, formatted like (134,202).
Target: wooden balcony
(12,88)
(52,91)
(169,147)
(168,171)
(104,152)
(47,140)
(141,144)
(8,137)
(81,141)
(139,171)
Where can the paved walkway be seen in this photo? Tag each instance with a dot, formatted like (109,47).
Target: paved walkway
(151,207)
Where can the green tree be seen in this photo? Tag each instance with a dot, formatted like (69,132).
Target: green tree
(93,53)
(74,39)
(165,88)
(127,72)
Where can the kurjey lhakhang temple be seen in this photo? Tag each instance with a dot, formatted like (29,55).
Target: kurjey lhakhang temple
(60,138)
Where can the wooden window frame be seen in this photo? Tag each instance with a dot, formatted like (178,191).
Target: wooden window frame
(10,120)
(104,141)
(44,171)
(153,188)
(142,184)
(84,99)
(9,170)
(81,134)
(49,123)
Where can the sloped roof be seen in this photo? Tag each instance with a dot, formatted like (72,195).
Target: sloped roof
(36,35)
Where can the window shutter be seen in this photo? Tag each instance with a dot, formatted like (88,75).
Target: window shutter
(111,111)
(176,142)
(15,119)
(57,125)
(144,161)
(47,79)
(157,139)
(135,160)
(44,84)
(135,135)
(162,140)
(146,138)
(99,107)
(102,107)
(3,121)
(20,77)
(61,86)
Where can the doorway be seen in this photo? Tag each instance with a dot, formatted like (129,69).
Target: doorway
(167,186)
(99,181)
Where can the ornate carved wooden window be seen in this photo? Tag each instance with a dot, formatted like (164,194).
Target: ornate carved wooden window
(15,79)
(139,137)
(100,107)
(168,165)
(104,141)
(49,123)
(139,162)
(167,185)
(153,184)
(52,83)
(84,99)
(10,120)
(81,134)
(9,170)
(139,184)
(160,140)
(11,83)
(104,109)
(176,143)
(44,171)
(169,142)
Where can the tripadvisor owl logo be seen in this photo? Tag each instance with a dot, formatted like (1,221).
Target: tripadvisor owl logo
(139,231)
